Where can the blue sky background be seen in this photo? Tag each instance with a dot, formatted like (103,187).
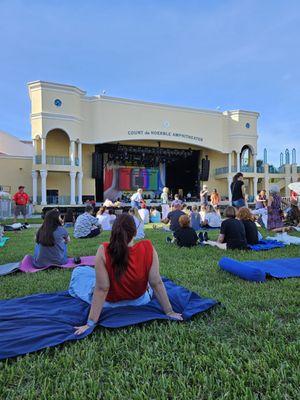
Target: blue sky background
(206,54)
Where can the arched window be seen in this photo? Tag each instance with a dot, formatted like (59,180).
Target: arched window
(245,156)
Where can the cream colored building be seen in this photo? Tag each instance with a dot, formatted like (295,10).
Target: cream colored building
(67,127)
(15,163)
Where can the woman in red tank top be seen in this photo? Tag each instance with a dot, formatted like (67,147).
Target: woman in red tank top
(123,271)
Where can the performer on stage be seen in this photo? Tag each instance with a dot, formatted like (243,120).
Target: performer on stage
(164,202)
(21,200)
(137,199)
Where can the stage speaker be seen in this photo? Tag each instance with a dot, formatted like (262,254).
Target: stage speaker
(97,165)
(205,164)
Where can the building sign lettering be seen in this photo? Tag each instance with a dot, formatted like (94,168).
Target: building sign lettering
(169,134)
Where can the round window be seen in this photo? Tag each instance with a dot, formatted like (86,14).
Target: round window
(57,102)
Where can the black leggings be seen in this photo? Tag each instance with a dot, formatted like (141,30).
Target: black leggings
(93,233)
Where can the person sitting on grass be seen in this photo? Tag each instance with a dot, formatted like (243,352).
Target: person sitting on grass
(104,219)
(144,213)
(252,234)
(195,218)
(232,233)
(173,216)
(125,274)
(112,217)
(139,223)
(293,215)
(202,213)
(51,241)
(155,217)
(185,236)
(86,225)
(212,219)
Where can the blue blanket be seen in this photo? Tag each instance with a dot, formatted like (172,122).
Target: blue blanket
(258,271)
(35,322)
(266,245)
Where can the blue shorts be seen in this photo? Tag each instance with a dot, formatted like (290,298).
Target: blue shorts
(239,203)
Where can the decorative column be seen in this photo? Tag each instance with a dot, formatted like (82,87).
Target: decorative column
(34,175)
(44,187)
(229,182)
(266,178)
(72,153)
(255,187)
(254,163)
(72,190)
(79,152)
(238,162)
(79,187)
(229,163)
(43,148)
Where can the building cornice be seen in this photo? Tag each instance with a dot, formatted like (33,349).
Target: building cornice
(37,85)
(56,116)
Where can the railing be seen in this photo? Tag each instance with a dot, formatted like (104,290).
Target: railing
(273,170)
(247,168)
(55,200)
(56,160)
(260,170)
(223,170)
(298,170)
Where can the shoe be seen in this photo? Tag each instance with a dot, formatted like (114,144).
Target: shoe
(200,236)
(168,239)
(205,237)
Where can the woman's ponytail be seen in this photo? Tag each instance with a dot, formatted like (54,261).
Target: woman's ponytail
(122,233)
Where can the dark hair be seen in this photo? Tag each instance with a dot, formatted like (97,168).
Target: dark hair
(230,212)
(123,230)
(89,208)
(237,176)
(111,212)
(51,222)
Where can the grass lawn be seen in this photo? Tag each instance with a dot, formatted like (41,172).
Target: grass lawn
(248,348)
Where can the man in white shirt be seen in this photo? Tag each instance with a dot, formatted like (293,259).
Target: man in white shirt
(137,198)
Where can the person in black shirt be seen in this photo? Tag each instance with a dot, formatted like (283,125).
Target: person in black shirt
(237,191)
(245,216)
(185,236)
(232,233)
(173,216)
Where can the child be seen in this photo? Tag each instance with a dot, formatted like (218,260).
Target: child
(139,223)
(154,215)
(202,213)
(185,236)
(51,239)
(144,213)
(212,218)
(195,218)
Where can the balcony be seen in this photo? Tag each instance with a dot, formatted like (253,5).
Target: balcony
(56,160)
(247,168)
(260,170)
(273,170)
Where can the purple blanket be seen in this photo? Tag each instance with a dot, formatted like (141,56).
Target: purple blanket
(26,265)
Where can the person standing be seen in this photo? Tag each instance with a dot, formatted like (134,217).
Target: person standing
(275,213)
(137,198)
(215,198)
(204,196)
(164,202)
(21,200)
(238,191)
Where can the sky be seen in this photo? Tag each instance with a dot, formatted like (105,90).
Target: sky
(208,54)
